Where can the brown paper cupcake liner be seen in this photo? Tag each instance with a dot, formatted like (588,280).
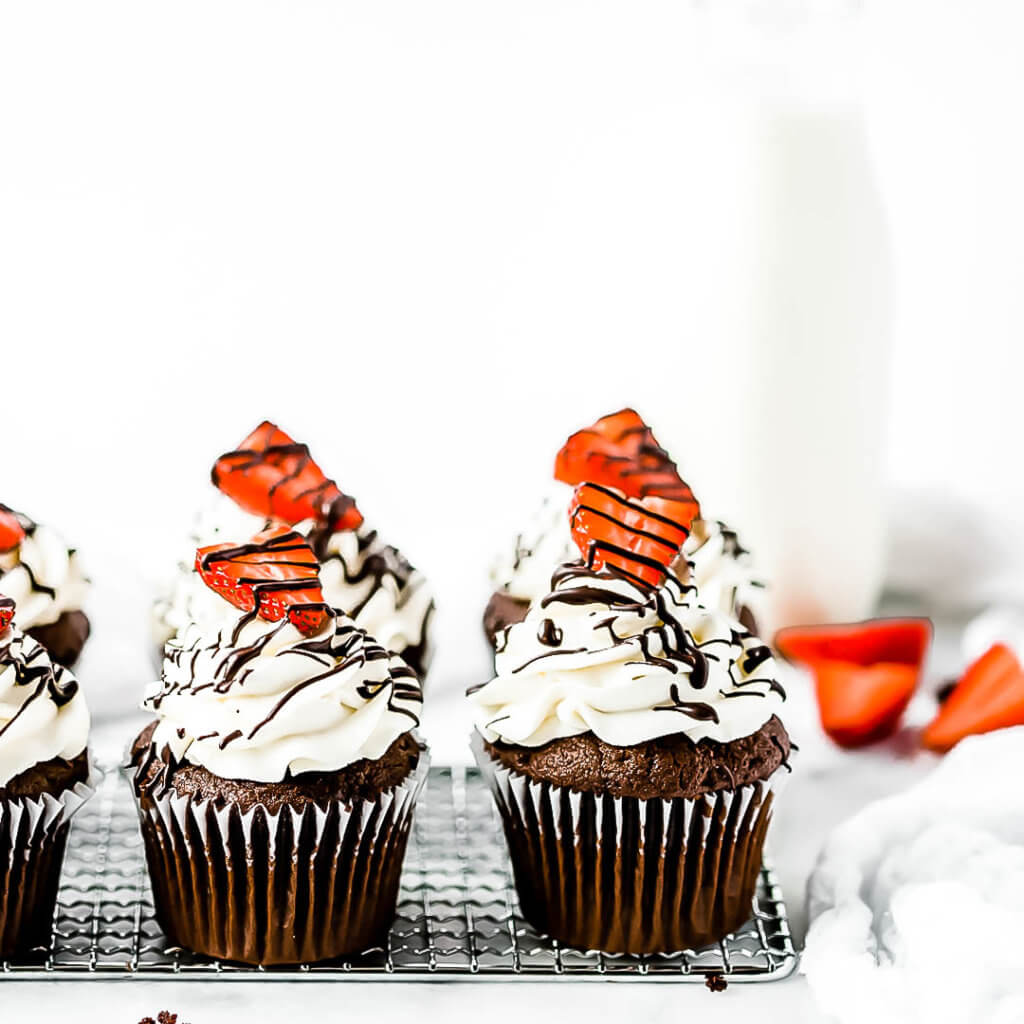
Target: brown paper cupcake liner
(626,875)
(33,836)
(286,887)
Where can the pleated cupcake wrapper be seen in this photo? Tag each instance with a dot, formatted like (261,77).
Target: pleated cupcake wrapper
(627,875)
(278,887)
(33,836)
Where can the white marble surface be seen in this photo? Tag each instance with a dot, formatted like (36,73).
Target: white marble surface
(826,787)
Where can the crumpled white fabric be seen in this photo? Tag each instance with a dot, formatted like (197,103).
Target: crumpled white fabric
(917,901)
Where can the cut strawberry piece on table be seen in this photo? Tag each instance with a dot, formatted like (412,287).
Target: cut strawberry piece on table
(621,451)
(861,704)
(640,537)
(6,612)
(864,643)
(865,672)
(274,476)
(276,574)
(989,696)
(11,531)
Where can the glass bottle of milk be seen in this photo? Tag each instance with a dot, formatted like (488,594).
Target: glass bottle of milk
(790,238)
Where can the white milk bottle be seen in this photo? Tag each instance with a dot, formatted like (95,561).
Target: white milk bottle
(798,312)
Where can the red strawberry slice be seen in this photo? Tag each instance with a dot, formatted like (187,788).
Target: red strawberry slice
(11,531)
(861,704)
(621,451)
(864,672)
(274,476)
(276,574)
(641,537)
(6,612)
(989,696)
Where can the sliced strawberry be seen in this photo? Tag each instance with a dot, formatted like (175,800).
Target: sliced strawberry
(6,612)
(865,672)
(640,537)
(989,696)
(861,704)
(12,533)
(276,574)
(274,476)
(864,643)
(621,451)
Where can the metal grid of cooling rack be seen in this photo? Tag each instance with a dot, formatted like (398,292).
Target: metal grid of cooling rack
(458,915)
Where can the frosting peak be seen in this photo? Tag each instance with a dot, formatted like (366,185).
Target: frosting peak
(600,653)
(258,700)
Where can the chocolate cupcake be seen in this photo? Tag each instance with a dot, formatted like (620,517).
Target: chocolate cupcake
(619,450)
(272,480)
(276,786)
(632,742)
(44,773)
(43,577)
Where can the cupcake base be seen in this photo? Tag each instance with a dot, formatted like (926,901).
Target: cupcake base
(626,874)
(64,638)
(265,880)
(35,815)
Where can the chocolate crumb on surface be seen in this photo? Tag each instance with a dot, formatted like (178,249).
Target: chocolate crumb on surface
(716,983)
(665,768)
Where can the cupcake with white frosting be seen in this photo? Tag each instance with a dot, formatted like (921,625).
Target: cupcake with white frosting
(633,742)
(625,454)
(272,480)
(282,757)
(44,578)
(44,775)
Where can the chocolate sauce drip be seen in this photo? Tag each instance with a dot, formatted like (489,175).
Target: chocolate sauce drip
(755,656)
(549,634)
(697,710)
(540,657)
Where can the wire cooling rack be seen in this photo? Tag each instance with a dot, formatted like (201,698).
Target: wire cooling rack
(458,916)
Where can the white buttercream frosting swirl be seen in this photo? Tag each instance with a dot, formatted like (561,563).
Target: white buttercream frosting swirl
(43,714)
(360,574)
(601,654)
(42,575)
(257,700)
(713,559)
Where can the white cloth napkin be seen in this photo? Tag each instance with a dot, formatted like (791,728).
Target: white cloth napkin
(917,901)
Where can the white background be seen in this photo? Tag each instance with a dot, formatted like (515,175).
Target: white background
(431,238)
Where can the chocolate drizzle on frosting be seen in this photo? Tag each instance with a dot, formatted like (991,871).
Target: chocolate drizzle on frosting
(225,693)
(549,634)
(34,670)
(629,650)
